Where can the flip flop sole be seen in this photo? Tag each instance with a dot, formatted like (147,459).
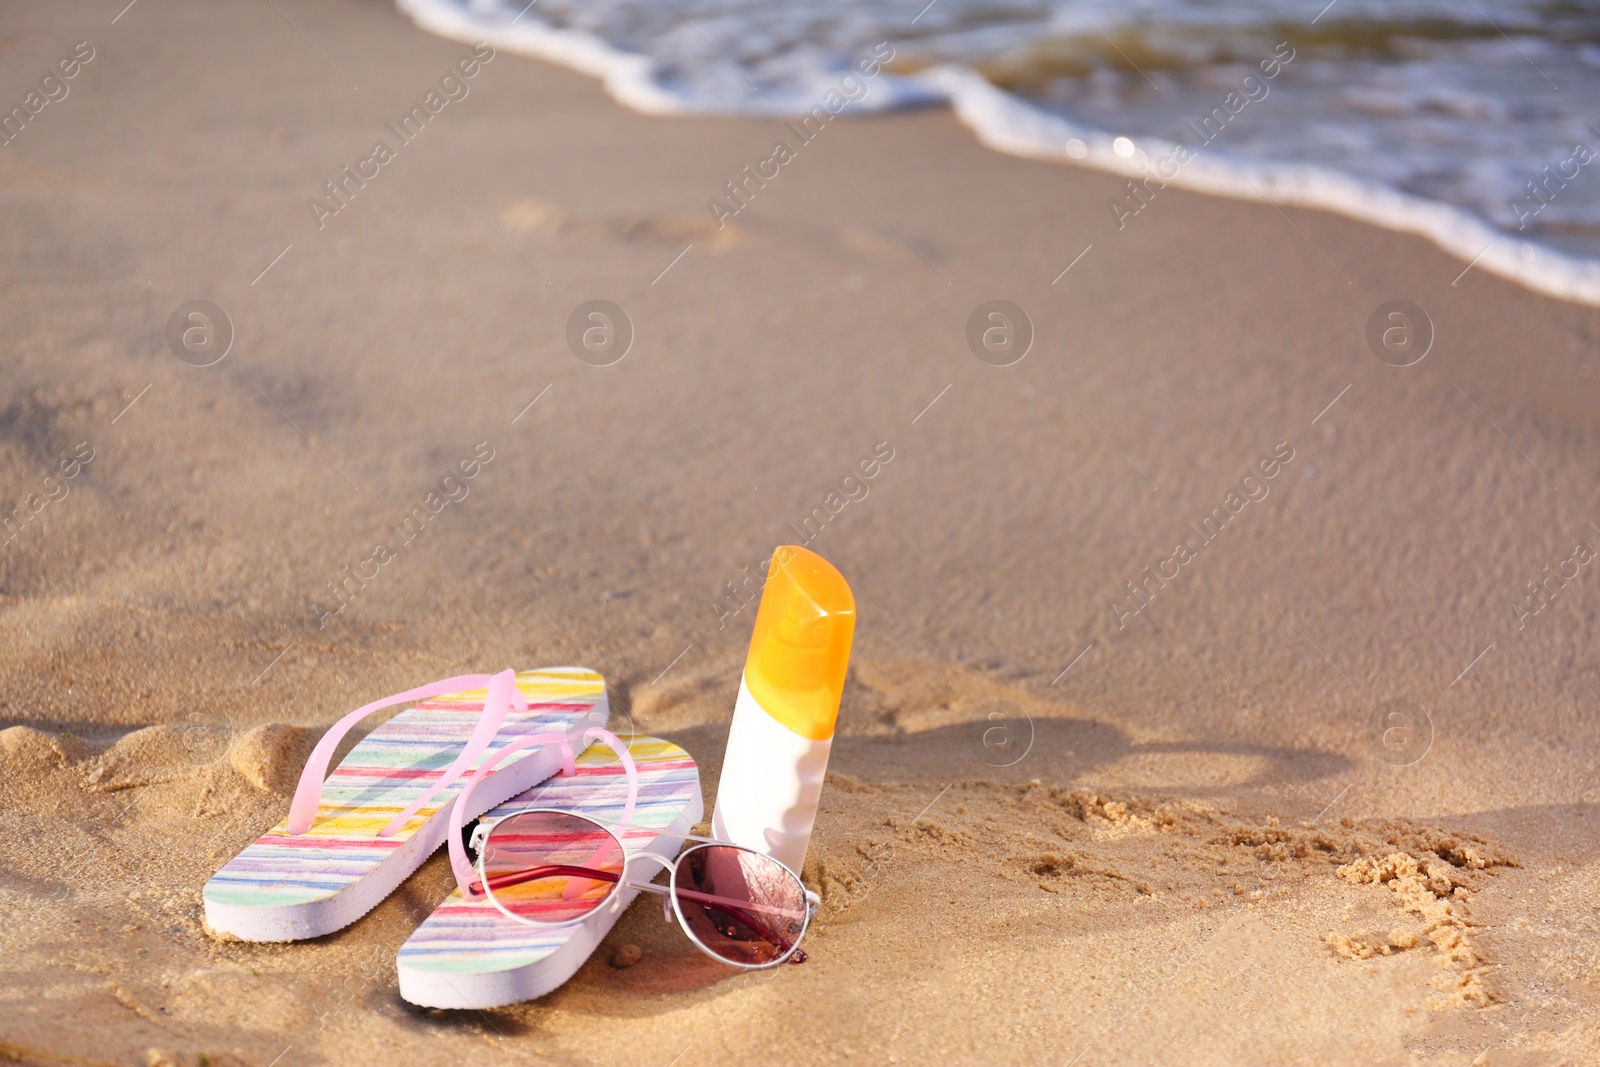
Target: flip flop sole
(470,955)
(286,887)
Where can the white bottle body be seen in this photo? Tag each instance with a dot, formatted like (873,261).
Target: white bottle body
(771,783)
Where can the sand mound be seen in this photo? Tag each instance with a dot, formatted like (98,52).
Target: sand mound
(156,754)
(22,748)
(270,756)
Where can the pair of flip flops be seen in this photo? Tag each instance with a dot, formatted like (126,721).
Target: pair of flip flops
(353,835)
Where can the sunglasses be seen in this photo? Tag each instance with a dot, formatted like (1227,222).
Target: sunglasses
(545,867)
(551,868)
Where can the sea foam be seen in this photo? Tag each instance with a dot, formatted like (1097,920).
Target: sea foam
(774,62)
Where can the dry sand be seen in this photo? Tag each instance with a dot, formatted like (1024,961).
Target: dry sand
(1201,857)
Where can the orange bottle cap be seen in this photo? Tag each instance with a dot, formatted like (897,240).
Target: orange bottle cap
(800,649)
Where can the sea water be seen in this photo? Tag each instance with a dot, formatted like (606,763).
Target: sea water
(1475,123)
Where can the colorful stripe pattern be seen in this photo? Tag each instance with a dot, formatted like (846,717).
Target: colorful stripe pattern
(381,775)
(462,937)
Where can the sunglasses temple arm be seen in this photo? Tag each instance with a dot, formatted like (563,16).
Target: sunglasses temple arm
(738,915)
(459,863)
(734,909)
(553,870)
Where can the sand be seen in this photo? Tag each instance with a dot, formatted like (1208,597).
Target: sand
(1182,840)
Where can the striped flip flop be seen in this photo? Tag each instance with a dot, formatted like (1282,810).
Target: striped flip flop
(470,955)
(351,839)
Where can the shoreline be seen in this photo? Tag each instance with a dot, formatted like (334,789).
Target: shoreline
(1009,124)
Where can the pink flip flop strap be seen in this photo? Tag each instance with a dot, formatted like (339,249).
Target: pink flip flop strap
(460,865)
(502,695)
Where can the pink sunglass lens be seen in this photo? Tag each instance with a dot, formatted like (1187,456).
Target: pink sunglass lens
(550,867)
(745,908)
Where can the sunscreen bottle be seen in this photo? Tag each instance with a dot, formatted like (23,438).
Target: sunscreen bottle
(788,702)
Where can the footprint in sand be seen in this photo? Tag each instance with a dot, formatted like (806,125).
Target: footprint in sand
(530,215)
